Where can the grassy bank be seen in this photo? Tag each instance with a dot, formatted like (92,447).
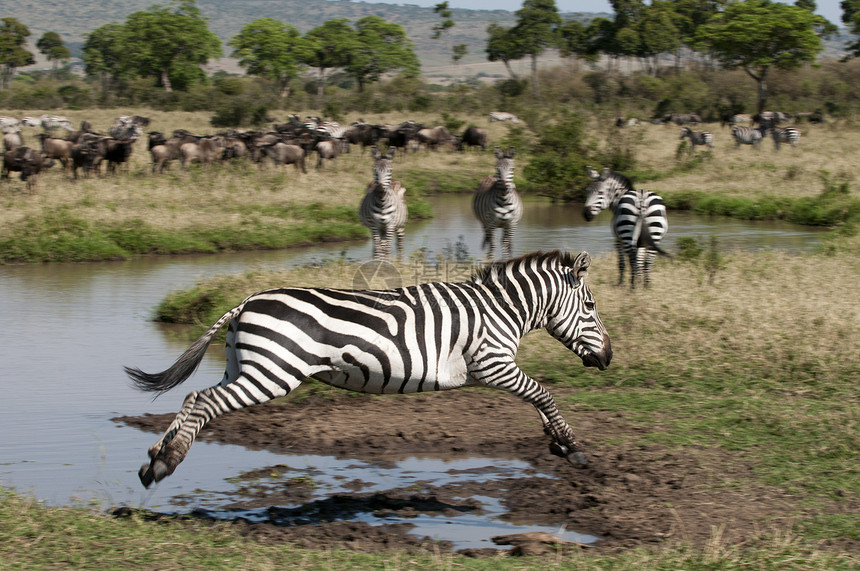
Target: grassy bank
(241,206)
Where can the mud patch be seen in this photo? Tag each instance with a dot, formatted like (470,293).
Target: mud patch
(630,494)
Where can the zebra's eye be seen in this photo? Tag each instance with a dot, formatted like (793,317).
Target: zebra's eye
(590,305)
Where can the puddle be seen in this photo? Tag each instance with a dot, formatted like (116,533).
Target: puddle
(435,496)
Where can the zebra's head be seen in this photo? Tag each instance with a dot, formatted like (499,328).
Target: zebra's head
(605,190)
(382,167)
(505,166)
(574,320)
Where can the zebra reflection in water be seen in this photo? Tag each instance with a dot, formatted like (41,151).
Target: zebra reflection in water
(427,337)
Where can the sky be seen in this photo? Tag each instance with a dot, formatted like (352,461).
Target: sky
(828,8)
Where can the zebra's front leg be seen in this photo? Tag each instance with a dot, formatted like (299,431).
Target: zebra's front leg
(507,242)
(488,241)
(399,233)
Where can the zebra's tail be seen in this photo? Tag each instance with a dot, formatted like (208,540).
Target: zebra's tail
(646,240)
(185,365)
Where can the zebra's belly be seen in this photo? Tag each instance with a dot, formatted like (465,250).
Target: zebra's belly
(393,379)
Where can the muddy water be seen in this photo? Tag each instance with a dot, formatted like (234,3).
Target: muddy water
(69,329)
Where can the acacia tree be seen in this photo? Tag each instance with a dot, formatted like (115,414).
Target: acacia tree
(13,36)
(381,47)
(272,50)
(52,47)
(103,54)
(503,45)
(758,35)
(170,43)
(330,46)
(536,29)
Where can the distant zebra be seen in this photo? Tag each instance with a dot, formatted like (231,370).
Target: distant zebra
(427,337)
(383,208)
(639,221)
(9,124)
(788,135)
(48,122)
(497,204)
(503,116)
(703,138)
(747,136)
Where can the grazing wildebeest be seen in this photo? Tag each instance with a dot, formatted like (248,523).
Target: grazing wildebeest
(472,137)
(25,160)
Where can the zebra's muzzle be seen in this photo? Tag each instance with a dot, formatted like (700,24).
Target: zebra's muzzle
(600,359)
(588,214)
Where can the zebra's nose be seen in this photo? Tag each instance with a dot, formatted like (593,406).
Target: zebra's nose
(588,214)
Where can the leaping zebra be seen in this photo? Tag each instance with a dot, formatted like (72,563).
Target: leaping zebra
(383,208)
(703,138)
(747,136)
(639,221)
(789,135)
(497,204)
(427,337)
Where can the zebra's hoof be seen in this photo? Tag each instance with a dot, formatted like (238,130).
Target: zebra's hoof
(145,475)
(559,450)
(578,459)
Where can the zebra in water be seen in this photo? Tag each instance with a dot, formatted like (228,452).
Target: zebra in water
(427,337)
(497,204)
(639,221)
(747,136)
(789,135)
(703,138)
(383,208)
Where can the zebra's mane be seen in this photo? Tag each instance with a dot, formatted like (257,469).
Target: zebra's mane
(623,179)
(493,271)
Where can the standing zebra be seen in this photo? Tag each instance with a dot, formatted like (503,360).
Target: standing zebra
(427,337)
(703,138)
(747,136)
(383,208)
(788,135)
(639,221)
(497,204)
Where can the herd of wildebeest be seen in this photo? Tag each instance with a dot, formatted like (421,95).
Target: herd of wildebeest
(83,151)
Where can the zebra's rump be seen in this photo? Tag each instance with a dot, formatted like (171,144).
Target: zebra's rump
(638,211)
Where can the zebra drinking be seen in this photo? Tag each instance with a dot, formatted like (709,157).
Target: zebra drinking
(789,135)
(497,204)
(703,138)
(383,208)
(639,221)
(747,136)
(427,337)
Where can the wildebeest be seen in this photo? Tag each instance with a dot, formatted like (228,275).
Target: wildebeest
(363,134)
(434,137)
(59,149)
(12,140)
(472,137)
(328,150)
(400,136)
(285,154)
(25,160)
(117,152)
(85,155)
(682,118)
(206,151)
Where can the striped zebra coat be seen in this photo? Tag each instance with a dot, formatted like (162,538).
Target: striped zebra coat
(427,337)
(790,135)
(639,221)
(383,208)
(703,138)
(747,136)
(497,204)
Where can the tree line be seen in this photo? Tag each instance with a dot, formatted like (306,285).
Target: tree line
(171,43)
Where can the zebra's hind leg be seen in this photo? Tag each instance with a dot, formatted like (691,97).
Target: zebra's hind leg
(647,261)
(488,241)
(399,232)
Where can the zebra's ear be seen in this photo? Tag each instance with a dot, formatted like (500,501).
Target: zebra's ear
(510,152)
(498,152)
(374,152)
(605,172)
(593,174)
(581,264)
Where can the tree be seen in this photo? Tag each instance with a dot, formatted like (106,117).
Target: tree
(170,43)
(658,33)
(536,28)
(381,47)
(272,50)
(103,54)
(504,46)
(757,35)
(52,47)
(458,51)
(13,36)
(330,46)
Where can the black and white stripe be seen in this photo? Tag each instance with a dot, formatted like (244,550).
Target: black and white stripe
(383,208)
(747,136)
(788,135)
(503,116)
(428,337)
(639,221)
(497,204)
(703,138)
